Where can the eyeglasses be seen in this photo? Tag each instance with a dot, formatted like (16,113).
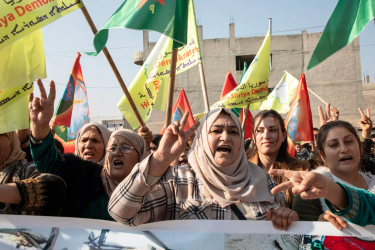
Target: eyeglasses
(123,149)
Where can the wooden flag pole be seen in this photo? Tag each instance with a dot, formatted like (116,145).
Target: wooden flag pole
(204,87)
(317,96)
(172,77)
(246,110)
(114,68)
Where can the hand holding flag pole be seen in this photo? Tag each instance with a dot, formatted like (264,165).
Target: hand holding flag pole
(114,68)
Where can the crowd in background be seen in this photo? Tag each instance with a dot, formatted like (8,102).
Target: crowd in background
(208,171)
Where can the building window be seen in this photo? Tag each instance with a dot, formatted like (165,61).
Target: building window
(240,60)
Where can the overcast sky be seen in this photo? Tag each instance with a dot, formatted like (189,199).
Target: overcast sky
(71,33)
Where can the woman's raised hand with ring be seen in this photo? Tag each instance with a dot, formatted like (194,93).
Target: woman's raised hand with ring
(282,217)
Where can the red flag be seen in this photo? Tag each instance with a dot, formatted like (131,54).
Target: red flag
(299,120)
(228,86)
(180,107)
(248,124)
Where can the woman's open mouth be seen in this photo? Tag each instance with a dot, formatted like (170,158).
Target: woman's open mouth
(224,149)
(346,159)
(118,164)
(88,155)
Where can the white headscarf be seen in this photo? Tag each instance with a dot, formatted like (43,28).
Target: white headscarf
(106,134)
(240,181)
(139,145)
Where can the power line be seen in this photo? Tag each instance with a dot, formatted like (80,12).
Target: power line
(90,57)
(283,31)
(44,80)
(93,49)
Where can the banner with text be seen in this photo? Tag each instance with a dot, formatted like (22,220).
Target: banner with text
(35,232)
(19,18)
(12,95)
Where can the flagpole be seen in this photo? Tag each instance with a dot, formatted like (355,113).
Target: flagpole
(204,87)
(172,77)
(114,68)
(317,96)
(246,110)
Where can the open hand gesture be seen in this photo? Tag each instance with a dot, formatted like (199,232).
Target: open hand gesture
(41,109)
(365,123)
(174,140)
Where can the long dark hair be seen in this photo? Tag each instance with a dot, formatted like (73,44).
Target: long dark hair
(283,159)
(324,130)
(283,155)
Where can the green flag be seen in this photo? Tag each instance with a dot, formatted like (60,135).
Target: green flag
(348,19)
(169,17)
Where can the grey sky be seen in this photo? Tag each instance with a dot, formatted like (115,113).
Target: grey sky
(66,36)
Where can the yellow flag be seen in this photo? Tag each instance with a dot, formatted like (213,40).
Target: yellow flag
(281,97)
(254,85)
(150,86)
(15,117)
(23,61)
(12,95)
(19,18)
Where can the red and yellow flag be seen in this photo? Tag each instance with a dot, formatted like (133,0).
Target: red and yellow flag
(299,120)
(180,107)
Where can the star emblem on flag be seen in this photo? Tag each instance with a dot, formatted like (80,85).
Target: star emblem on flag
(145,1)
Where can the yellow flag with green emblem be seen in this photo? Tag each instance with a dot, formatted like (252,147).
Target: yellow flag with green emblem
(254,84)
(150,86)
(281,97)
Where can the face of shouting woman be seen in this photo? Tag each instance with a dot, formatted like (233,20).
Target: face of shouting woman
(122,157)
(341,152)
(269,137)
(91,146)
(224,140)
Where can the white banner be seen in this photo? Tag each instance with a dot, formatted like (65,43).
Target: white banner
(47,233)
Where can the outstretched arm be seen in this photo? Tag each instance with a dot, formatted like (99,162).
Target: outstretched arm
(310,185)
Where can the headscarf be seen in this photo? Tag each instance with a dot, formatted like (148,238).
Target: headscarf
(16,152)
(105,136)
(139,145)
(240,181)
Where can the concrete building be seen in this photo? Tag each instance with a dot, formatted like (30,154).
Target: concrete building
(113,123)
(337,80)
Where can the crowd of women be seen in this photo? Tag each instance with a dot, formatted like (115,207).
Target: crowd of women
(201,173)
